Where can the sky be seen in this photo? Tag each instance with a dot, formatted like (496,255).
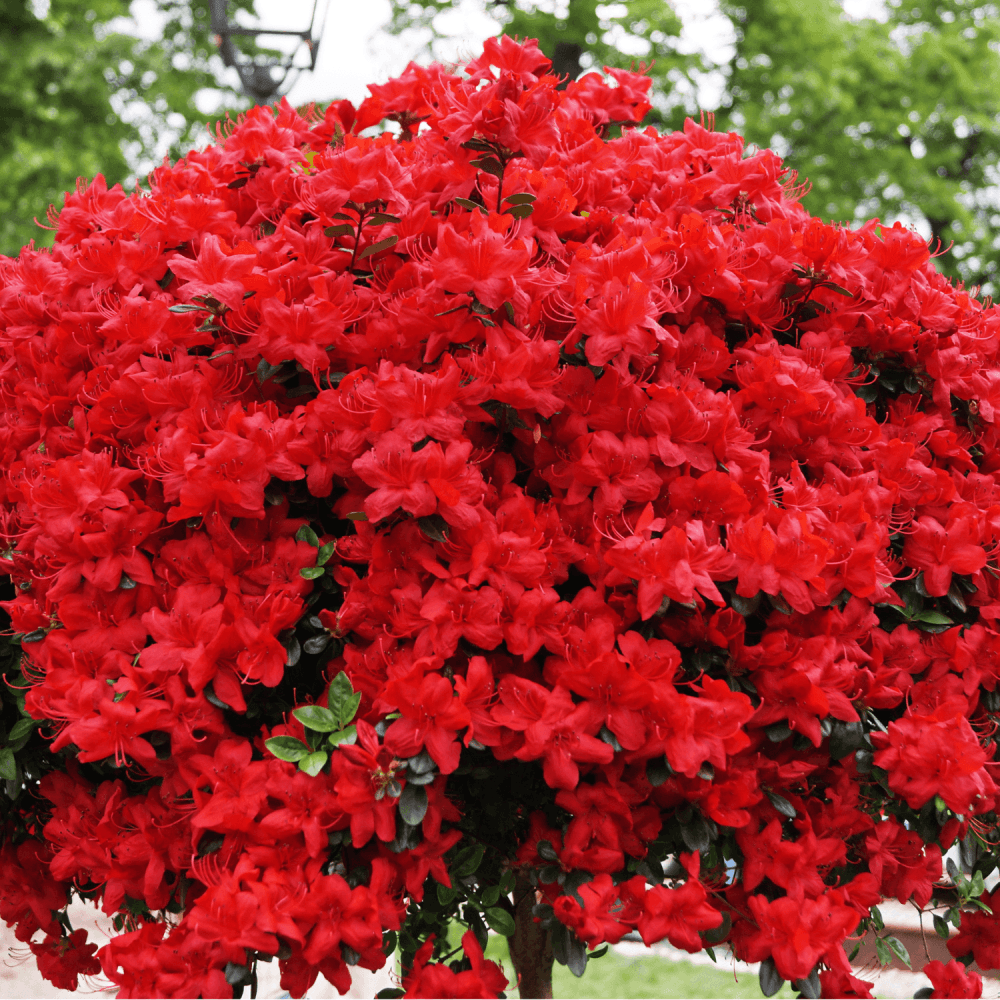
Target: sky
(356,50)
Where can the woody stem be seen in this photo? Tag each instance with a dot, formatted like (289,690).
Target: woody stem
(530,946)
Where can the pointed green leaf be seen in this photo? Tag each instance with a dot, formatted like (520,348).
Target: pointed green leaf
(313,764)
(306,534)
(389,241)
(519,211)
(21,728)
(287,748)
(770,979)
(318,718)
(342,699)
(347,737)
(413,804)
(490,164)
(899,950)
(500,920)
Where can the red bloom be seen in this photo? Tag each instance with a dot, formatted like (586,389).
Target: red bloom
(936,753)
(953,980)
(481,261)
(61,960)
(797,932)
(431,716)
(679,915)
(217,271)
(940,551)
(427,979)
(555,729)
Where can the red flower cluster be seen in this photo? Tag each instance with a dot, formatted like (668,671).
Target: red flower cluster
(512,498)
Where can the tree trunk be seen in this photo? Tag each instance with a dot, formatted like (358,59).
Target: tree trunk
(530,947)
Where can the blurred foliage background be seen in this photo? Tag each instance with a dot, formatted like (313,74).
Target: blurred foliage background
(82,94)
(894,116)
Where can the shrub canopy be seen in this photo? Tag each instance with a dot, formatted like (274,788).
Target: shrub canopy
(513,516)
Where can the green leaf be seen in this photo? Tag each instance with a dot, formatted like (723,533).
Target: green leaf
(389,939)
(313,763)
(657,771)
(490,895)
(834,287)
(325,553)
(468,860)
(600,953)
(265,371)
(435,527)
(342,699)
(347,737)
(413,804)
(770,979)
(381,219)
(520,199)
(940,927)
(546,851)
(306,534)
(311,572)
(883,952)
(782,805)
(779,732)
(389,241)
(446,895)
(8,766)
(212,698)
(318,718)
(934,618)
(696,834)
(745,606)
(466,203)
(500,920)
(21,728)
(316,644)
(846,738)
(287,748)
(899,950)
(490,164)
(187,307)
(342,230)
(978,886)
(357,515)
(519,211)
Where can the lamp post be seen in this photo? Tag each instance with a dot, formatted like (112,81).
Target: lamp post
(265,76)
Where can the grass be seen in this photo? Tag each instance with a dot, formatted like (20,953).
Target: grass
(640,977)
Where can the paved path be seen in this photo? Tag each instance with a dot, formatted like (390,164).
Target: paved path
(20,980)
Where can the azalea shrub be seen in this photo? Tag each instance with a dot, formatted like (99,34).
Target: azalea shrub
(475,508)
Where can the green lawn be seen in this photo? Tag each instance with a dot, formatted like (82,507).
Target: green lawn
(641,977)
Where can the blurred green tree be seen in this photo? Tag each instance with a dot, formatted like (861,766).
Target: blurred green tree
(891,117)
(79,95)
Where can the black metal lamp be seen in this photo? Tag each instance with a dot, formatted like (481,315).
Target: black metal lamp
(266,76)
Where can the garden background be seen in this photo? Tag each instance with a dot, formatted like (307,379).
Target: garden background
(889,109)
